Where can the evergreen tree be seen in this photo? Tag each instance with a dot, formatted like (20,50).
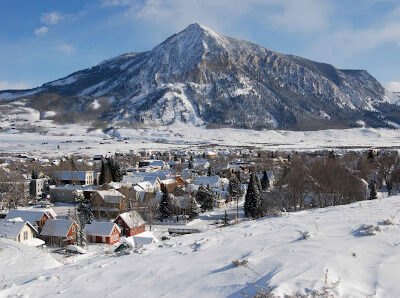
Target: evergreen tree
(235,187)
(209,199)
(190,165)
(165,204)
(85,217)
(252,204)
(105,174)
(115,170)
(373,195)
(200,194)
(73,165)
(265,181)
(193,209)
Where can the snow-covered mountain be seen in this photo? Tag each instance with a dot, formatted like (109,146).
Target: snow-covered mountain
(199,76)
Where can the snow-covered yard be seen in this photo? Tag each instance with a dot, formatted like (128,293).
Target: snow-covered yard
(200,265)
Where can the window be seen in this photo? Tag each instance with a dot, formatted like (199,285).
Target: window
(25,235)
(120,222)
(73,228)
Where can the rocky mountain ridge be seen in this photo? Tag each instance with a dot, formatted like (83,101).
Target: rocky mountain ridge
(202,77)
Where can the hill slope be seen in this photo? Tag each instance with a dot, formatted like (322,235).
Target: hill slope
(199,265)
(199,76)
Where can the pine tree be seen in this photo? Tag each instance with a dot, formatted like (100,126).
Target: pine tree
(252,204)
(105,174)
(265,181)
(190,165)
(209,199)
(193,209)
(235,187)
(115,170)
(165,204)
(373,195)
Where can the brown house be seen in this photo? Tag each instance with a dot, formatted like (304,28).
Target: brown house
(172,182)
(61,232)
(107,203)
(130,223)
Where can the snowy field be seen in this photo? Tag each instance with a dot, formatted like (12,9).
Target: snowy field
(200,265)
(50,139)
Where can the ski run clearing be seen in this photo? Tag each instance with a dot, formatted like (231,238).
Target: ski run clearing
(358,260)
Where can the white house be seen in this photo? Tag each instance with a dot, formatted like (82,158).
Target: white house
(18,230)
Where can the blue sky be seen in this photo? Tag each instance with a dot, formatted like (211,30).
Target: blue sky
(44,40)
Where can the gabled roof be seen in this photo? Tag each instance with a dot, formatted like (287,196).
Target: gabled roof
(30,215)
(132,219)
(213,181)
(12,228)
(71,175)
(111,196)
(57,227)
(100,228)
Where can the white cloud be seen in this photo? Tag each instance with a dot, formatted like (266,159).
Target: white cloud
(287,15)
(110,3)
(42,30)
(393,86)
(66,48)
(51,18)
(4,85)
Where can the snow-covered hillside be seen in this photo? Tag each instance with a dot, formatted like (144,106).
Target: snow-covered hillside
(200,265)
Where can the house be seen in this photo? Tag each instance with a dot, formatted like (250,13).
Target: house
(36,217)
(210,154)
(107,203)
(21,231)
(74,177)
(215,182)
(102,232)
(173,182)
(154,164)
(61,232)
(67,193)
(130,223)
(37,187)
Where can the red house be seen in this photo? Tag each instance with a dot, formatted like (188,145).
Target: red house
(61,232)
(102,232)
(130,223)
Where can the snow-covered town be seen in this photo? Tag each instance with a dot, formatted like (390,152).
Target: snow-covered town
(199,148)
(220,212)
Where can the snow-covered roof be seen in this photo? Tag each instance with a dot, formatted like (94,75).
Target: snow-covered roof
(132,219)
(57,227)
(71,175)
(111,195)
(12,228)
(144,238)
(100,228)
(30,215)
(213,181)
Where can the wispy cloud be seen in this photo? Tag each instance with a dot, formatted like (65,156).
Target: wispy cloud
(51,18)
(286,15)
(66,48)
(42,30)
(5,85)
(111,3)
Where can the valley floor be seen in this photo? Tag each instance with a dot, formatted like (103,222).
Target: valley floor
(200,265)
(56,140)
